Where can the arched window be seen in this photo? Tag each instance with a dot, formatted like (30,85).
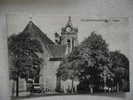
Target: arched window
(68,42)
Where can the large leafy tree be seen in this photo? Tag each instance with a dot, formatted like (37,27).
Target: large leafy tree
(86,61)
(23,57)
(95,66)
(119,65)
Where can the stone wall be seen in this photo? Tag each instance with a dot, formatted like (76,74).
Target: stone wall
(49,75)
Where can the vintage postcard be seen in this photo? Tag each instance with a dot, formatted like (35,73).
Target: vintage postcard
(58,55)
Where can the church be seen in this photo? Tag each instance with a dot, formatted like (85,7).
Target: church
(54,51)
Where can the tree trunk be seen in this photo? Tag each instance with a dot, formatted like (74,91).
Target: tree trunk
(17,86)
(91,90)
(117,87)
(72,85)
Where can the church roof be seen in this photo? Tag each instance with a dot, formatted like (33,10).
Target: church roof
(34,31)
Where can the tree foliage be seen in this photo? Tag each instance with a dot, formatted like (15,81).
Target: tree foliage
(120,67)
(87,58)
(23,56)
(92,63)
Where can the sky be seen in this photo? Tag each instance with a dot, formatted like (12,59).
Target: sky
(115,33)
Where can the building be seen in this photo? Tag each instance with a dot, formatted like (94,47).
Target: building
(54,52)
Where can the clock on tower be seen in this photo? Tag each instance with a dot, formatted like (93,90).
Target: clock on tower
(68,29)
(69,36)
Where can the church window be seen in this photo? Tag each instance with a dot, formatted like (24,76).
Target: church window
(68,42)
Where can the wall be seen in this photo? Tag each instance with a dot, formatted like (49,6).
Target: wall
(116,8)
(51,74)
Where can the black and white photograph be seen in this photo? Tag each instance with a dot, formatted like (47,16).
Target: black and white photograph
(52,55)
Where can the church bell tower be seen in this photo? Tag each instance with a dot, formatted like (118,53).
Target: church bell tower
(69,36)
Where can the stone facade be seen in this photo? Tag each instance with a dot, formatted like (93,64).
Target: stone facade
(54,52)
(65,42)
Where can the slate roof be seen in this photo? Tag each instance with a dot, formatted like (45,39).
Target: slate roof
(57,51)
